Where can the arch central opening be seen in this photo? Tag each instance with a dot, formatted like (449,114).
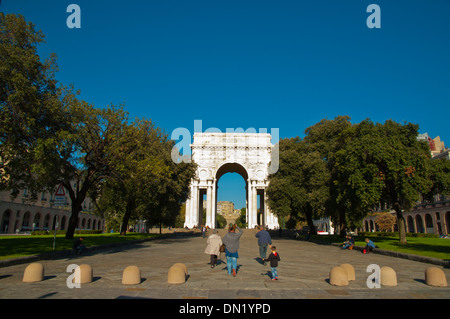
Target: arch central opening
(231,199)
(231,193)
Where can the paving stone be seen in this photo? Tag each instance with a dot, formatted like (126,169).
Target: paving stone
(303,273)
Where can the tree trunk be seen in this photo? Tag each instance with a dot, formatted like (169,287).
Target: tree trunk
(123,229)
(401,226)
(310,222)
(73,220)
(77,196)
(126,217)
(342,230)
(342,223)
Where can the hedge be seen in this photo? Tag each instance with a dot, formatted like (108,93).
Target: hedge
(395,234)
(63,232)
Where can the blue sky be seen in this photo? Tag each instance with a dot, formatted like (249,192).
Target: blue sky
(254,64)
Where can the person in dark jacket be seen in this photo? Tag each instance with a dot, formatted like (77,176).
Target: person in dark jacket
(264,240)
(274,258)
(349,243)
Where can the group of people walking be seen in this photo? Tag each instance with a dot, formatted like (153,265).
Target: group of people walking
(229,244)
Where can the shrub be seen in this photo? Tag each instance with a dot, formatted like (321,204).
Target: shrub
(395,234)
(63,232)
(86,232)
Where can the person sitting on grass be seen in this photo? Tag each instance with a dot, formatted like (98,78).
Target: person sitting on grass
(349,243)
(369,246)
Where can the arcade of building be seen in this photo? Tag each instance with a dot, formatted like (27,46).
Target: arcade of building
(22,215)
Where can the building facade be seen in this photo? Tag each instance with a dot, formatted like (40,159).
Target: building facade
(46,211)
(226,209)
(432,218)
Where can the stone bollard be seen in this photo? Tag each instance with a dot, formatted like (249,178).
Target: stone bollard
(33,273)
(131,276)
(338,276)
(388,277)
(182,266)
(83,274)
(350,271)
(435,277)
(177,274)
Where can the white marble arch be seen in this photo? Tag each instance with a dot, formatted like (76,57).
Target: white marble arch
(248,154)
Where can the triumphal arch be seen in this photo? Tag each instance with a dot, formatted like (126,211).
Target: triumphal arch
(249,154)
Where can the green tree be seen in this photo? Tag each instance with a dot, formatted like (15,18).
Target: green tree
(355,186)
(241,221)
(81,158)
(403,164)
(47,135)
(299,188)
(30,108)
(328,137)
(386,163)
(440,177)
(385,221)
(135,163)
(221,221)
(164,196)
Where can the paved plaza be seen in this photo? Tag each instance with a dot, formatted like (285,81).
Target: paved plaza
(303,273)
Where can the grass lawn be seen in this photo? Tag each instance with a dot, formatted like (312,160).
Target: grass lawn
(429,247)
(19,246)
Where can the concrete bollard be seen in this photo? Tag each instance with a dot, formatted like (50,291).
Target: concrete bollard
(131,276)
(388,276)
(33,273)
(350,271)
(83,274)
(435,277)
(177,274)
(182,266)
(338,276)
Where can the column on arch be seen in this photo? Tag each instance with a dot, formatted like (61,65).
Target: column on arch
(255,206)
(262,219)
(252,204)
(188,208)
(191,215)
(209,218)
(247,200)
(187,212)
(267,213)
(214,202)
(249,203)
(270,218)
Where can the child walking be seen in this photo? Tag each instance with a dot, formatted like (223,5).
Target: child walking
(274,258)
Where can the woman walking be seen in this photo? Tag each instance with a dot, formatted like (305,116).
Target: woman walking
(213,247)
(231,241)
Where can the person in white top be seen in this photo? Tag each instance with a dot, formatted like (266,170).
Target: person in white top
(213,247)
